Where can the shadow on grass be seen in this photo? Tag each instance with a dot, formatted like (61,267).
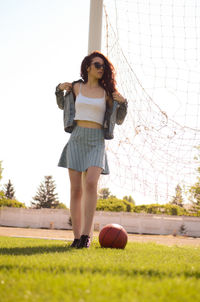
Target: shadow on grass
(122,272)
(32,250)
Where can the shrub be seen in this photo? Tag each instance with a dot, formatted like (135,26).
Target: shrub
(167,209)
(174,210)
(4,202)
(114,204)
(61,206)
(140,209)
(111,204)
(129,205)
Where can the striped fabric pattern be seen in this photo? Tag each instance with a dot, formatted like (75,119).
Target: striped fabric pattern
(85,148)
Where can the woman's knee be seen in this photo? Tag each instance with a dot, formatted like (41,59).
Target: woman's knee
(76,191)
(92,177)
(91,184)
(76,185)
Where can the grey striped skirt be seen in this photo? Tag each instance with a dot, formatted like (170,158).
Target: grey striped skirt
(85,148)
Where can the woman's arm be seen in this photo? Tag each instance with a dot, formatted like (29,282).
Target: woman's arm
(76,88)
(60,93)
(122,109)
(109,102)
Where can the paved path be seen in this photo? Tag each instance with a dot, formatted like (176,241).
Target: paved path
(68,236)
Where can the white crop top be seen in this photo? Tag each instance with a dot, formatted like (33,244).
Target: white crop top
(90,109)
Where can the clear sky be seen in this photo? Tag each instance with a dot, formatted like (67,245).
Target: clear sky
(42,44)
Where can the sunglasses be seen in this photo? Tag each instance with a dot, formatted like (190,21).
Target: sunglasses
(98,65)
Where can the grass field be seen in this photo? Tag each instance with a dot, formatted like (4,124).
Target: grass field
(48,270)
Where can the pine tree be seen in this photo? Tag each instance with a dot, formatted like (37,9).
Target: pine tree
(103,193)
(178,199)
(9,190)
(45,196)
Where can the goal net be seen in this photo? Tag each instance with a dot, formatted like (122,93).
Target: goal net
(155,48)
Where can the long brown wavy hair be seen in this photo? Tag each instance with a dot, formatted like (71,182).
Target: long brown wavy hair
(107,81)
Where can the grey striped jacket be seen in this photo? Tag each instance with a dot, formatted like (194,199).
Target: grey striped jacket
(113,116)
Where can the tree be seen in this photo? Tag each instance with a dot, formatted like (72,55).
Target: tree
(194,196)
(104,193)
(1,169)
(129,199)
(1,192)
(45,197)
(194,190)
(9,190)
(2,195)
(178,198)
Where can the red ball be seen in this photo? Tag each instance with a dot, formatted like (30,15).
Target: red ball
(113,236)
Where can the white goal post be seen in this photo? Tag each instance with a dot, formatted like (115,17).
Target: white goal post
(95,25)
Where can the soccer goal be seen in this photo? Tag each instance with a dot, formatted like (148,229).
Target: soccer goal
(155,48)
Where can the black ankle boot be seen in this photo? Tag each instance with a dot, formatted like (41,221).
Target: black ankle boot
(84,242)
(75,243)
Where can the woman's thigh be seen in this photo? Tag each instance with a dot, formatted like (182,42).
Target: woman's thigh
(92,176)
(75,179)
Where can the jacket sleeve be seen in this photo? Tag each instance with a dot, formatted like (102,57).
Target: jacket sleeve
(121,112)
(59,97)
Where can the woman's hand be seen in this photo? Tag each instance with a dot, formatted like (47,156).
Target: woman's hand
(65,86)
(118,97)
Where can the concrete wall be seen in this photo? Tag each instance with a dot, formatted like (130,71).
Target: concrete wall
(150,223)
(132,222)
(32,218)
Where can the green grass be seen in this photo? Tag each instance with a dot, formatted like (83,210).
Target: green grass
(48,270)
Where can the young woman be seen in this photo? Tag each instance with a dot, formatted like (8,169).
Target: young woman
(91,107)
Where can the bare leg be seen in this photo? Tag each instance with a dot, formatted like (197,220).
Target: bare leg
(75,201)
(90,196)
(83,202)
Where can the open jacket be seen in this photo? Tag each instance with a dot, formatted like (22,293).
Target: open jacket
(113,116)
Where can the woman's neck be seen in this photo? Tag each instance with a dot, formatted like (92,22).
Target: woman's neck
(92,83)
